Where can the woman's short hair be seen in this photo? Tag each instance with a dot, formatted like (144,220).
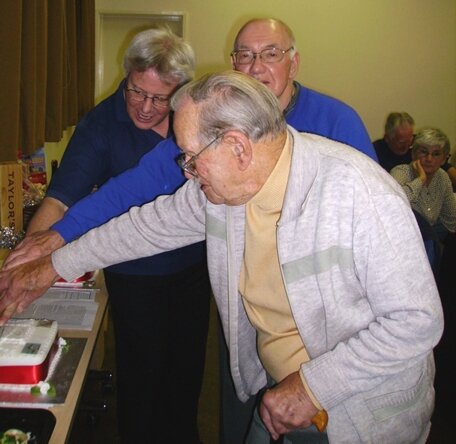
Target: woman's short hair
(159,48)
(232,100)
(431,137)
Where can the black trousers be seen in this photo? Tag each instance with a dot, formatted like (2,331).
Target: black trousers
(160,325)
(235,416)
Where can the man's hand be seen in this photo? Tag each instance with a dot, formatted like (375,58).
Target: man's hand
(34,246)
(23,284)
(287,407)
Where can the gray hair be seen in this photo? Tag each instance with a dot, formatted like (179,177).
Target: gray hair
(169,55)
(274,21)
(430,137)
(232,100)
(395,120)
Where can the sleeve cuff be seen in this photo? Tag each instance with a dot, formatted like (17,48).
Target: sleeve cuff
(309,392)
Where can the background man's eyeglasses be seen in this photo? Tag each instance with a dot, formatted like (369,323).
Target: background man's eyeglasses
(268,55)
(189,166)
(139,96)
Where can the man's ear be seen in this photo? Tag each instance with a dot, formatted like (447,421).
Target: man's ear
(294,67)
(241,147)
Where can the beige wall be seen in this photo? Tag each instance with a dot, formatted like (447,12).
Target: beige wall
(377,55)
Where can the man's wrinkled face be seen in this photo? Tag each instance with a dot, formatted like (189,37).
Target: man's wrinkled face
(401,140)
(215,167)
(278,77)
(144,113)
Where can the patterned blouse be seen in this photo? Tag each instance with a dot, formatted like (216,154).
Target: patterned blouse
(435,202)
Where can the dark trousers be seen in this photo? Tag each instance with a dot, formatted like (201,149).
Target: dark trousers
(235,416)
(445,391)
(160,325)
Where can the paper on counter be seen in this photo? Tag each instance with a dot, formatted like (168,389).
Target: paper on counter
(73,309)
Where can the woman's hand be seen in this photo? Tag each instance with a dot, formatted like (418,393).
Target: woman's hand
(419,170)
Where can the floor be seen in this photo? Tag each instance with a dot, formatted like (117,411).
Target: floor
(96,428)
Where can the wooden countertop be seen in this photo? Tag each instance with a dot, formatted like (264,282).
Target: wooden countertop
(65,412)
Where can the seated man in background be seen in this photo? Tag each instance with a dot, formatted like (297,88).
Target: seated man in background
(158,304)
(395,146)
(314,288)
(429,188)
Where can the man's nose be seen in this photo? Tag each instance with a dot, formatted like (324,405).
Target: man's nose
(147,105)
(256,63)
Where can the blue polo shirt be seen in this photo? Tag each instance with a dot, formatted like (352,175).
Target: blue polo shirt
(106,143)
(317,113)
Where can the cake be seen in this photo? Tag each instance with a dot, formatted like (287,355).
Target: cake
(27,348)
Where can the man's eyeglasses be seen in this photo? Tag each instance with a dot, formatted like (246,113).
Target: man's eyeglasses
(423,152)
(267,55)
(189,166)
(140,96)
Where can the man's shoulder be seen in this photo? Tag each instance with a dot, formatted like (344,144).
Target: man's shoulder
(321,99)
(382,150)
(332,154)
(323,146)
(320,164)
(323,114)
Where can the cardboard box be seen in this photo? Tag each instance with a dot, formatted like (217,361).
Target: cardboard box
(11,199)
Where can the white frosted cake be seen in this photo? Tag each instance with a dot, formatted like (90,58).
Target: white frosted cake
(27,347)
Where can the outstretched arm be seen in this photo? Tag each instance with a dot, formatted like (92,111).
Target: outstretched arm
(34,246)
(50,211)
(155,174)
(23,284)
(39,242)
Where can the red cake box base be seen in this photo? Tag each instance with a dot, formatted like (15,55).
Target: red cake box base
(27,347)
(27,374)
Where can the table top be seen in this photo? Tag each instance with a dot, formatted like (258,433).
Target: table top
(65,412)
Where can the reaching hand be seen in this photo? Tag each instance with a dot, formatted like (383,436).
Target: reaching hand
(287,407)
(34,246)
(21,285)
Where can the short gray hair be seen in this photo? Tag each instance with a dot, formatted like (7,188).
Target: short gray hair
(429,137)
(232,100)
(169,55)
(395,120)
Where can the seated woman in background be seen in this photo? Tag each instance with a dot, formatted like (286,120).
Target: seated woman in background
(429,188)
